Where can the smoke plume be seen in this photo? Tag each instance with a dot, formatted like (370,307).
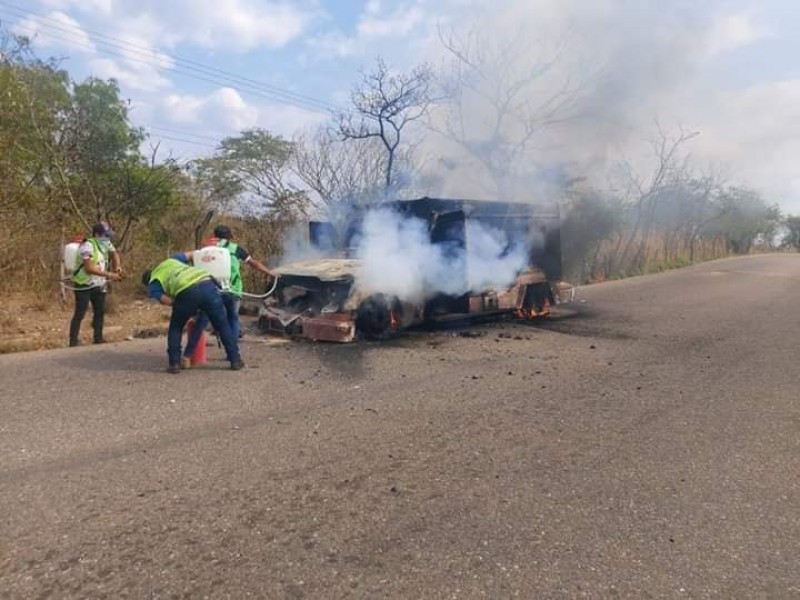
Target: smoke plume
(399,258)
(538,91)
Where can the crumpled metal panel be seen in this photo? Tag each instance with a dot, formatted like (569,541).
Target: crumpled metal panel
(325,269)
(282,317)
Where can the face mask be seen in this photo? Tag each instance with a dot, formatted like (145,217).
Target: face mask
(104,242)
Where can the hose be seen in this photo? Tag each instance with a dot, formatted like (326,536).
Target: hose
(245,294)
(263,296)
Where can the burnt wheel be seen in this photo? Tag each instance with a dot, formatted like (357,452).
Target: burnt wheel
(376,318)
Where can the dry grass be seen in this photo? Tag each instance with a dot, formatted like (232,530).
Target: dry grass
(656,253)
(30,322)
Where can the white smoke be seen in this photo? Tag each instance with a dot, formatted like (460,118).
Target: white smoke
(493,259)
(297,246)
(399,259)
(564,86)
(397,256)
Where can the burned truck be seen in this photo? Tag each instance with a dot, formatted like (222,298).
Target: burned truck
(387,267)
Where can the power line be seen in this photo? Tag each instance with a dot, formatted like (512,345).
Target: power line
(182,66)
(151,53)
(153,59)
(182,132)
(185,141)
(164,136)
(177,71)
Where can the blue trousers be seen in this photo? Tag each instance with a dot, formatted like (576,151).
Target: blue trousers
(204,296)
(232,304)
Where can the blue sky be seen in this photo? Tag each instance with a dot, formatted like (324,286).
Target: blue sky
(742,90)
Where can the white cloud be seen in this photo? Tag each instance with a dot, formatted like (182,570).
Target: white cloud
(93,6)
(376,31)
(134,62)
(334,45)
(137,78)
(186,126)
(139,65)
(375,22)
(288,120)
(56,30)
(225,110)
(224,106)
(230,25)
(235,23)
(734,31)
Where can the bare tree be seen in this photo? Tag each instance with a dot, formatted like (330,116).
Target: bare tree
(340,171)
(502,94)
(645,193)
(384,105)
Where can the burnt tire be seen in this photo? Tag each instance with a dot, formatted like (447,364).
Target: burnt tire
(374,320)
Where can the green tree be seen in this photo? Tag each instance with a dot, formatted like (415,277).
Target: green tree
(96,153)
(745,218)
(141,191)
(215,183)
(254,168)
(33,95)
(791,237)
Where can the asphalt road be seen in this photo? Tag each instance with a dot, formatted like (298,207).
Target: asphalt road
(644,443)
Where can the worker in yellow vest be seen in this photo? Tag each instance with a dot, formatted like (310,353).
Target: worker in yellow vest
(188,290)
(98,262)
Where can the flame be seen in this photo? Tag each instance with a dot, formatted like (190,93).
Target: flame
(532,313)
(395,321)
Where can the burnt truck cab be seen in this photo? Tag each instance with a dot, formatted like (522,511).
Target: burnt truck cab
(327,300)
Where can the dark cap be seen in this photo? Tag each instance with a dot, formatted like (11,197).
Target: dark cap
(223,232)
(102,229)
